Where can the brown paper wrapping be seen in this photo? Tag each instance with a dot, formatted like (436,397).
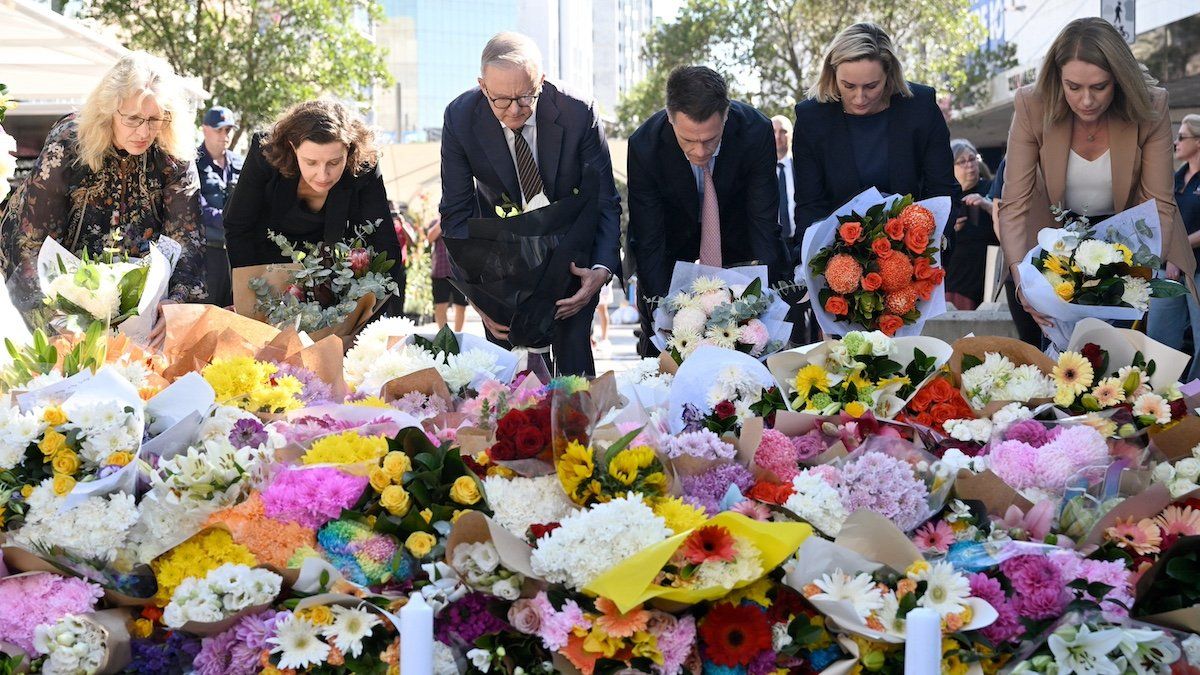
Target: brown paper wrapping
(428,381)
(1188,618)
(666,364)
(209,629)
(988,488)
(325,359)
(278,276)
(1144,505)
(472,441)
(23,560)
(876,538)
(1176,442)
(1018,352)
(474,528)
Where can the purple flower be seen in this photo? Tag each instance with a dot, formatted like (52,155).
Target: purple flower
(304,429)
(237,651)
(878,482)
(1038,588)
(1028,431)
(419,405)
(693,419)
(315,392)
(809,445)
(311,496)
(466,620)
(703,444)
(248,432)
(708,489)
(1007,626)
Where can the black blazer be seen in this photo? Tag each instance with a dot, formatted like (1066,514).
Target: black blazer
(664,202)
(264,199)
(478,171)
(919,157)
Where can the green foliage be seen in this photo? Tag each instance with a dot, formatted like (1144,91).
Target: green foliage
(770,50)
(256,58)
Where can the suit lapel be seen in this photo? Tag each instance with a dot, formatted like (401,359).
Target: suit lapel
(725,169)
(678,172)
(491,137)
(1056,149)
(1122,143)
(549,142)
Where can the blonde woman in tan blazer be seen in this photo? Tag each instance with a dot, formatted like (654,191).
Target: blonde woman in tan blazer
(1093,107)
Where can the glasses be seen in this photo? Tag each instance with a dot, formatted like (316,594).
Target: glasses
(504,102)
(1181,137)
(135,121)
(967,161)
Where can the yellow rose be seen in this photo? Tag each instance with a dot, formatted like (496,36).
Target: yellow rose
(63,484)
(395,499)
(52,442)
(465,491)
(427,515)
(379,478)
(856,409)
(1065,291)
(420,543)
(119,459)
(65,461)
(319,615)
(26,491)
(142,628)
(54,416)
(396,464)
(458,513)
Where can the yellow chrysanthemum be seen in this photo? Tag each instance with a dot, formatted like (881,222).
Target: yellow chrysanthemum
(755,592)
(279,395)
(1057,265)
(679,515)
(811,377)
(855,409)
(1065,291)
(1126,254)
(345,448)
(195,558)
(251,384)
(1073,373)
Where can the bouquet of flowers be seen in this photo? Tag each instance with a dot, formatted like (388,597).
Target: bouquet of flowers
(254,386)
(730,308)
(109,288)
(1086,383)
(220,594)
(524,440)
(325,636)
(1040,461)
(1090,644)
(874,264)
(464,363)
(934,404)
(73,644)
(996,378)
(1103,271)
(859,373)
(589,474)
(719,389)
(325,290)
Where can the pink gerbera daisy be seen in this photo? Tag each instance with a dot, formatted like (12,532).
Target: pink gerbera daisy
(934,537)
(1183,521)
(752,509)
(1142,537)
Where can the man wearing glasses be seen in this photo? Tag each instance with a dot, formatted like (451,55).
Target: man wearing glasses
(520,140)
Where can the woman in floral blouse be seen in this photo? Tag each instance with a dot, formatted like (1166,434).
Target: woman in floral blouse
(118,174)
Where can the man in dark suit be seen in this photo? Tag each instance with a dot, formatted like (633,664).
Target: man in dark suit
(701,140)
(518,138)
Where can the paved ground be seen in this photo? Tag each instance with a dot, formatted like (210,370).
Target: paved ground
(621,353)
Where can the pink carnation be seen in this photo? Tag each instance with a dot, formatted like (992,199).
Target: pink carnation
(37,599)
(827,473)
(754,333)
(1038,588)
(675,643)
(311,497)
(1007,626)
(777,454)
(556,626)
(1110,573)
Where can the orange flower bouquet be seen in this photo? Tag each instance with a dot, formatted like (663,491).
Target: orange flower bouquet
(874,264)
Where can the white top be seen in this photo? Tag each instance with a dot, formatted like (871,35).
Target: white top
(1089,185)
(790,179)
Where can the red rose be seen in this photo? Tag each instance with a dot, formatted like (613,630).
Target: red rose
(1095,355)
(894,229)
(922,400)
(941,389)
(771,493)
(917,240)
(837,306)
(850,232)
(889,324)
(882,248)
(538,530)
(942,412)
(872,281)
(1178,410)
(724,410)
(925,419)
(510,424)
(530,441)
(503,450)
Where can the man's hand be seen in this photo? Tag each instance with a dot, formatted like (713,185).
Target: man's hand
(498,331)
(158,334)
(591,282)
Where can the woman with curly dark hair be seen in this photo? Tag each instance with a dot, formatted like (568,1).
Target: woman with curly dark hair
(312,178)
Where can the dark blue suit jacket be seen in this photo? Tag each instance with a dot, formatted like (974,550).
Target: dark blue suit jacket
(478,171)
(664,202)
(919,157)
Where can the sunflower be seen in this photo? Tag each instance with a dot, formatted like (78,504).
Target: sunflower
(735,636)
(1073,373)
(809,378)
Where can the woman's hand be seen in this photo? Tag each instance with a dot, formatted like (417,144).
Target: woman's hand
(1041,319)
(158,334)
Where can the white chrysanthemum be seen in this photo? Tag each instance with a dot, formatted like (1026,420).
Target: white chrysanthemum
(296,641)
(371,343)
(1093,253)
(971,431)
(1008,416)
(134,372)
(569,555)
(96,529)
(703,285)
(1025,384)
(470,368)
(395,363)
(41,381)
(349,628)
(709,302)
(817,502)
(746,566)
(984,380)
(946,591)
(860,591)
(1136,293)
(733,383)
(520,502)
(954,460)
(689,319)
(17,431)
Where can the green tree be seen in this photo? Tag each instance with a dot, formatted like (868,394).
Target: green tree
(256,57)
(770,50)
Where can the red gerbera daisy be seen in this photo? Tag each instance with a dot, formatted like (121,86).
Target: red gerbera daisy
(711,542)
(735,636)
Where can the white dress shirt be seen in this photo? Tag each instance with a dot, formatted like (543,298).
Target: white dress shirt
(790,178)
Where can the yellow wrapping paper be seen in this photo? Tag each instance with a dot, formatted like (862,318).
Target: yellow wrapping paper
(631,582)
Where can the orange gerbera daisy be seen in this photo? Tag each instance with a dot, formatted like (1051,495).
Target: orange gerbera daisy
(616,624)
(843,273)
(1142,537)
(897,272)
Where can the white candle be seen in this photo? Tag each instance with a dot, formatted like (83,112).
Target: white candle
(923,642)
(416,637)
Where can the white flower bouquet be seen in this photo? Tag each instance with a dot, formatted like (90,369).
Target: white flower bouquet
(731,308)
(1102,271)
(227,591)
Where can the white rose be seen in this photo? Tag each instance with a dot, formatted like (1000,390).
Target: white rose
(1181,486)
(1188,468)
(485,557)
(507,589)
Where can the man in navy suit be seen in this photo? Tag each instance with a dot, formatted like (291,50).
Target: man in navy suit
(519,139)
(701,139)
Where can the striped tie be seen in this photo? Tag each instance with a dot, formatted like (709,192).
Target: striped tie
(527,170)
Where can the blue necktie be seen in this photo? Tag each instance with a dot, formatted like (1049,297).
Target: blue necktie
(785,218)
